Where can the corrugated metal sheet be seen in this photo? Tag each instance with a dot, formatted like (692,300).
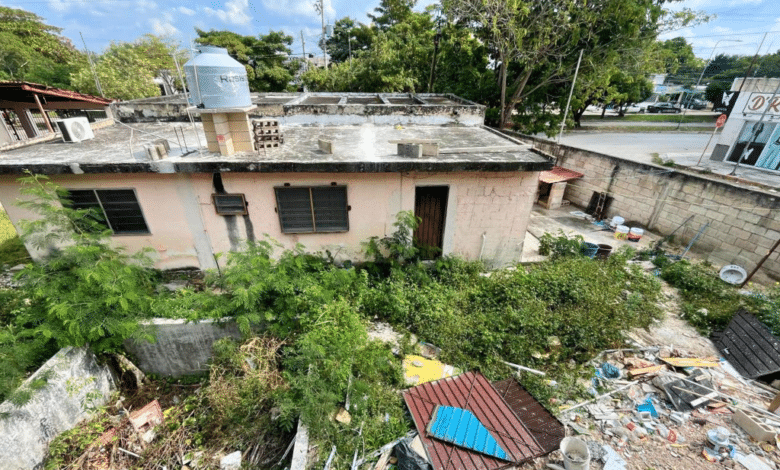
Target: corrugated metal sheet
(558,174)
(543,425)
(749,346)
(473,392)
(462,428)
(51,91)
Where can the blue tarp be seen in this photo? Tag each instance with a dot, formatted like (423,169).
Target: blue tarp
(462,428)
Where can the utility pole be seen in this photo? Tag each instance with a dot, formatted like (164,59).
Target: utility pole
(571,92)
(305,59)
(92,66)
(321,7)
(436,39)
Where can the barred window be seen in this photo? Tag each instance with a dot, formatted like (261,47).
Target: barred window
(312,209)
(119,208)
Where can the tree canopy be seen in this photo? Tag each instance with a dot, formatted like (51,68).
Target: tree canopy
(33,51)
(266,57)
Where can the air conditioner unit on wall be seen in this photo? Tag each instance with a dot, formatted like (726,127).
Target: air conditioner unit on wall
(75,129)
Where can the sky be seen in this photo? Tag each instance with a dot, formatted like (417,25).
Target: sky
(103,21)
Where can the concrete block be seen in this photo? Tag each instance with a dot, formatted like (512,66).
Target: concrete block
(326,146)
(76,384)
(757,430)
(181,348)
(410,150)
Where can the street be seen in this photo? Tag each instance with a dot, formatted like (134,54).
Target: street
(641,146)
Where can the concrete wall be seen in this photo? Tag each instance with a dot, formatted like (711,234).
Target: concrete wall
(77,384)
(186,230)
(743,222)
(180,348)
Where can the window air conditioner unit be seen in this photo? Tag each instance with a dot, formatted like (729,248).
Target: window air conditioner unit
(75,129)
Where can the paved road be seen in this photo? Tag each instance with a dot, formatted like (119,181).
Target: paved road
(684,148)
(640,146)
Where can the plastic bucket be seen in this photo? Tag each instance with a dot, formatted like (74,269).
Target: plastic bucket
(621,232)
(617,220)
(576,455)
(589,249)
(604,251)
(635,234)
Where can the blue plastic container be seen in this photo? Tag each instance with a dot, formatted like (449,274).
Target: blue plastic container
(589,249)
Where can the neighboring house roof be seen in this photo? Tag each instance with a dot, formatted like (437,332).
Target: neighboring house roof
(363,148)
(544,426)
(749,346)
(24,91)
(558,174)
(470,391)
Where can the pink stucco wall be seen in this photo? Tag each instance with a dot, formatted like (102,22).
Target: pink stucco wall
(487,213)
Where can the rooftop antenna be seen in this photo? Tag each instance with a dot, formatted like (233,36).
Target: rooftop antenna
(186,97)
(92,67)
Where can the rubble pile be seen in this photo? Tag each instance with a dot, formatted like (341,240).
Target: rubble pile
(656,407)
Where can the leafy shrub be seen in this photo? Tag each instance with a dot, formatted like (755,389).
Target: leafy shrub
(560,246)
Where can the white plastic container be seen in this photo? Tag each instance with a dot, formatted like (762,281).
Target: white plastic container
(621,232)
(617,220)
(576,455)
(635,234)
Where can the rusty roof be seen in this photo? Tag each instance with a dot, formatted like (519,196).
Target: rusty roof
(22,89)
(473,392)
(558,174)
(543,425)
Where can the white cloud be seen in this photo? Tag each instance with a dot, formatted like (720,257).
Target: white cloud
(161,28)
(185,11)
(59,5)
(303,8)
(236,12)
(745,2)
(168,17)
(144,6)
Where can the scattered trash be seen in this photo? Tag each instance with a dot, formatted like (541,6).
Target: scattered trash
(147,417)
(647,407)
(691,362)
(576,455)
(419,370)
(343,416)
(408,458)
(231,461)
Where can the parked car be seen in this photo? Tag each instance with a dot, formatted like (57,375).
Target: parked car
(663,108)
(696,104)
(633,108)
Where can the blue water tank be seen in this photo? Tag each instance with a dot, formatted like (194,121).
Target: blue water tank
(216,80)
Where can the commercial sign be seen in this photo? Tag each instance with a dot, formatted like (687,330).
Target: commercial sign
(725,103)
(757,103)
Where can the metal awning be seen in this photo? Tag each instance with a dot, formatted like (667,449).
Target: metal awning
(558,174)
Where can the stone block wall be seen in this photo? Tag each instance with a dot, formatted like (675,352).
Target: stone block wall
(744,221)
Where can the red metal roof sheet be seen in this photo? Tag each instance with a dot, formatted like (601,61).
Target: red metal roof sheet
(473,392)
(544,426)
(558,174)
(58,92)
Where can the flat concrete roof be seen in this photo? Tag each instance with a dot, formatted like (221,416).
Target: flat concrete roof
(364,148)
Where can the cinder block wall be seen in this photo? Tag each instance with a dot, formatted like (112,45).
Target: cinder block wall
(744,222)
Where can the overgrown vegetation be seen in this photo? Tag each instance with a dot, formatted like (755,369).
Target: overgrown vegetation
(709,303)
(12,251)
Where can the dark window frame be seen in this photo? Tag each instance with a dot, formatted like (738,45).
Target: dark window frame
(243,211)
(106,219)
(312,209)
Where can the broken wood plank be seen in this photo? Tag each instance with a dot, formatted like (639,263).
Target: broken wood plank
(703,399)
(775,403)
(646,370)
(690,362)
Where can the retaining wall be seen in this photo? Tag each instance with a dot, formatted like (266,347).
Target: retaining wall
(181,348)
(76,384)
(743,221)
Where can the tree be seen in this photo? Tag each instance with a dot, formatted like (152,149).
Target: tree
(265,57)
(392,12)
(348,38)
(33,51)
(127,69)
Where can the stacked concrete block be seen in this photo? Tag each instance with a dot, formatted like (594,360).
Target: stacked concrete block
(267,133)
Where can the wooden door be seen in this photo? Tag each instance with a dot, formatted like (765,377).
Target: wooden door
(430,205)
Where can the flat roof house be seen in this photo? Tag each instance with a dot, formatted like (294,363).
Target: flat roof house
(327,171)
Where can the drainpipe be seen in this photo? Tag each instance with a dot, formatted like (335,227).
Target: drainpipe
(482,249)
